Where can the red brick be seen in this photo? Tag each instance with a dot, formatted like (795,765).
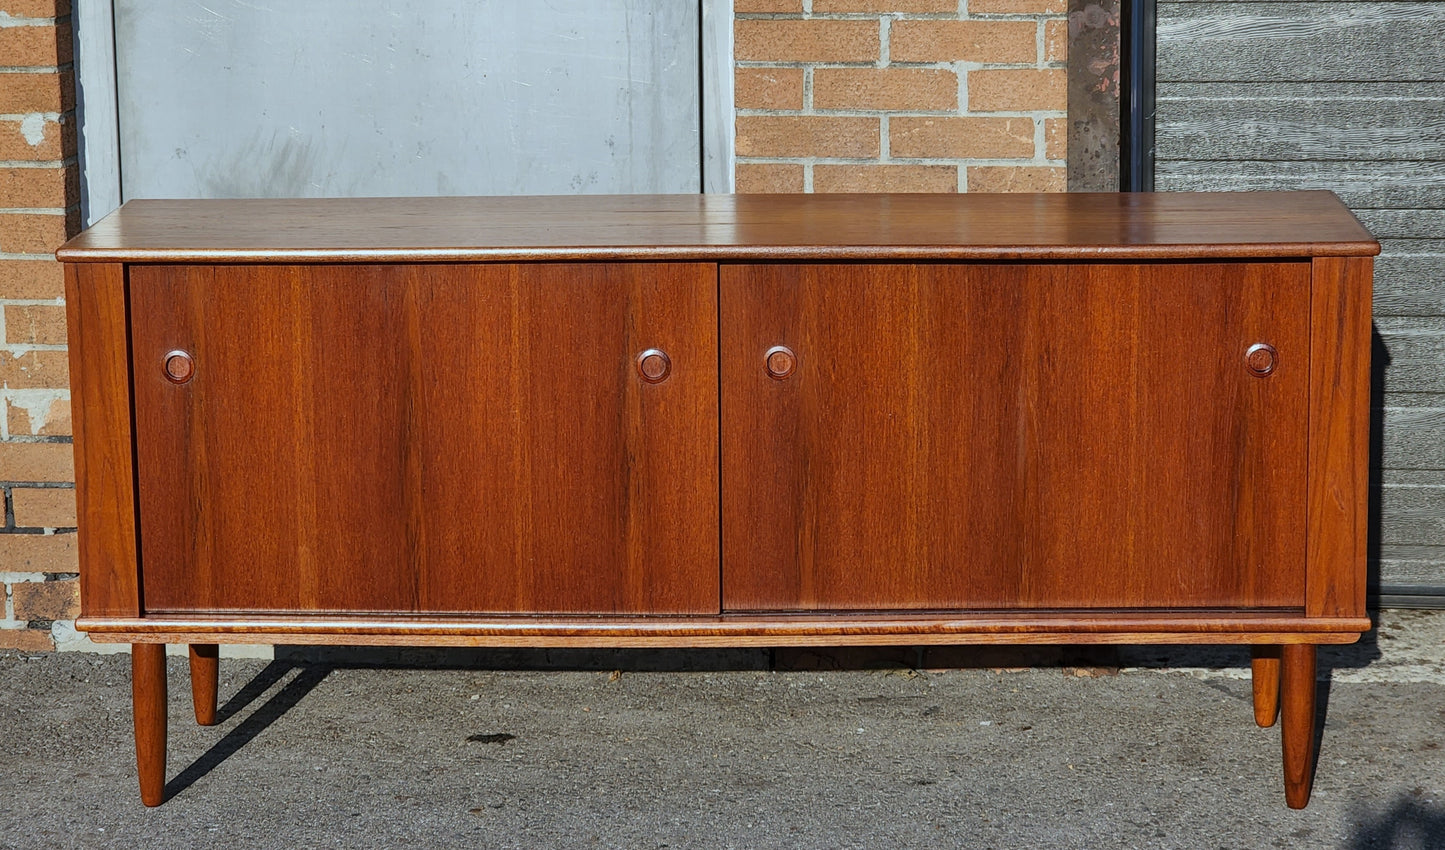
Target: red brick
(34,233)
(45,45)
(36,8)
(1016,178)
(963,41)
(767,40)
(899,89)
(962,137)
(777,7)
(35,280)
(38,553)
(50,507)
(914,6)
(34,324)
(768,177)
(46,600)
(1020,90)
(1056,138)
(56,421)
(48,462)
(1056,41)
(807,135)
(48,369)
(768,88)
(56,141)
(25,92)
(26,640)
(1017,7)
(885,178)
(40,187)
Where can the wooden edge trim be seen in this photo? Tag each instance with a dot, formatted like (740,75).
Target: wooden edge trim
(714,253)
(717,641)
(728,631)
(1337,496)
(96,307)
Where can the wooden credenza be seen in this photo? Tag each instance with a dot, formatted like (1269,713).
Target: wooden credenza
(717,420)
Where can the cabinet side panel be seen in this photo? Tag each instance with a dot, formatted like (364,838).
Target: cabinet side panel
(95,306)
(1339,436)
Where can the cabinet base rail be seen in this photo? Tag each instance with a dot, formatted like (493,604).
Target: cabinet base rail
(736,630)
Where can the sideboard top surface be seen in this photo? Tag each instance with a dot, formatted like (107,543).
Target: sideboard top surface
(728,227)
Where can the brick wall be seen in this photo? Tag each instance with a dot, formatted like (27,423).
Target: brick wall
(900,95)
(39,188)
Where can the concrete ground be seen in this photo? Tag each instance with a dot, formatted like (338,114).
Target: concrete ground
(1138,748)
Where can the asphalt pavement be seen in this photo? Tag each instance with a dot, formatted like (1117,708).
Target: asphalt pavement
(1150,747)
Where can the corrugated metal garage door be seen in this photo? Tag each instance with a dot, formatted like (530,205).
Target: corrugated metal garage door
(1348,96)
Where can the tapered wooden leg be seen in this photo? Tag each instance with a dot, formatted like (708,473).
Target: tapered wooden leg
(1264,673)
(148,696)
(205,670)
(1297,713)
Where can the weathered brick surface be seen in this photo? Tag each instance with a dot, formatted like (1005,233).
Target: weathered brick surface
(1056,138)
(885,178)
(885,89)
(946,85)
(768,88)
(39,197)
(39,187)
(38,553)
(48,507)
(46,369)
(963,41)
(34,324)
(46,600)
(992,178)
(48,462)
(27,92)
(1018,7)
(773,40)
(26,640)
(1024,90)
(807,136)
(43,45)
(743,7)
(47,417)
(767,177)
(38,280)
(36,138)
(32,233)
(35,8)
(962,138)
(827,6)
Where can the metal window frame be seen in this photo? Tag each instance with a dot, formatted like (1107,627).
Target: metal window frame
(99,120)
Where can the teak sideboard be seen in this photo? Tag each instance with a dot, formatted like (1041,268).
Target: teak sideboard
(718,420)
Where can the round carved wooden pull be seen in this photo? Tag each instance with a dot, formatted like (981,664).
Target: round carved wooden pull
(179,367)
(780,361)
(654,365)
(1261,359)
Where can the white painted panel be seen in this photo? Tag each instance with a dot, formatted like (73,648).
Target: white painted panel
(269,98)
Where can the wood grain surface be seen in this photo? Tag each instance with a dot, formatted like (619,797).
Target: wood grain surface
(1047,436)
(938,627)
(1339,467)
(98,331)
(718,227)
(438,438)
